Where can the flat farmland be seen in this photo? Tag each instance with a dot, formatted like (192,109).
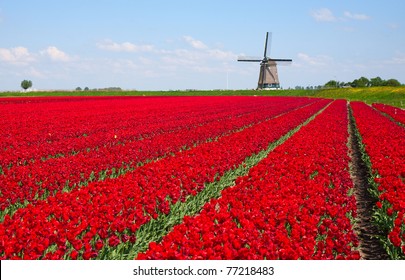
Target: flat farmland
(201,177)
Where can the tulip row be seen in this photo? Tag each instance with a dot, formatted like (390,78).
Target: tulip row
(39,179)
(37,130)
(79,223)
(305,213)
(384,142)
(397,114)
(65,124)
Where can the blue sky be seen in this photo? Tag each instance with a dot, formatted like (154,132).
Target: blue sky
(170,45)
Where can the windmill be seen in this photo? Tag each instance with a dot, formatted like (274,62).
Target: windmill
(268,77)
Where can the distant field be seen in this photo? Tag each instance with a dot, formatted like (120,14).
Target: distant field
(388,95)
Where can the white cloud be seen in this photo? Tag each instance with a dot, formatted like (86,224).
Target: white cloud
(123,65)
(146,61)
(185,57)
(350,15)
(55,54)
(124,47)
(393,26)
(196,57)
(195,43)
(318,60)
(196,54)
(33,72)
(222,55)
(181,57)
(398,59)
(323,14)
(326,15)
(17,55)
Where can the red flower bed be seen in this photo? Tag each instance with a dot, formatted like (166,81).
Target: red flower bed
(293,205)
(384,142)
(140,135)
(34,128)
(397,114)
(79,223)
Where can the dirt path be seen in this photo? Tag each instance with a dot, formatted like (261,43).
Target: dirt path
(370,247)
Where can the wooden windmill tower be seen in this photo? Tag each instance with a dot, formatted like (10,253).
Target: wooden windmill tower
(268,77)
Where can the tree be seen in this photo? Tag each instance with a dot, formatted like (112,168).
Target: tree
(377,82)
(86,88)
(78,88)
(26,84)
(392,83)
(362,82)
(332,84)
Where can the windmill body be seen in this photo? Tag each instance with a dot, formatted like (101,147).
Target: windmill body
(268,76)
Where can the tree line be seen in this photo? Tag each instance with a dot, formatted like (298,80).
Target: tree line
(364,82)
(26,84)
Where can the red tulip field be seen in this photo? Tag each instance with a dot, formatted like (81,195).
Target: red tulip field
(242,177)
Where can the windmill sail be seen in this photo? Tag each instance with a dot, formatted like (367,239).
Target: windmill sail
(249,58)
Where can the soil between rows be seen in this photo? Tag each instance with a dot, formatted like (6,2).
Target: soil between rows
(370,247)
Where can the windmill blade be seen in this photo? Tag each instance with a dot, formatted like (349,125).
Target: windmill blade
(269,42)
(283,62)
(249,59)
(265,44)
(280,59)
